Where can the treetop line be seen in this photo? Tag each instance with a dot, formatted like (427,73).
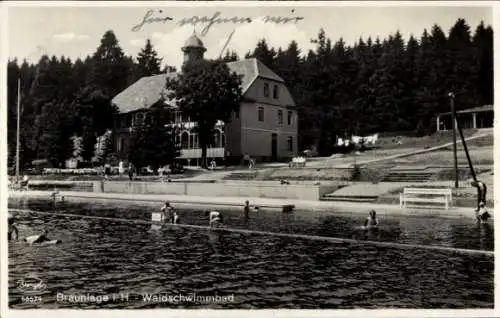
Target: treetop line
(156,16)
(381,85)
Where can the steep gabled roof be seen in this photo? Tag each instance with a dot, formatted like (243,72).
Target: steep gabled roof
(142,94)
(148,90)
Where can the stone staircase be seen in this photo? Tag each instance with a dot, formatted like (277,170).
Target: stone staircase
(409,176)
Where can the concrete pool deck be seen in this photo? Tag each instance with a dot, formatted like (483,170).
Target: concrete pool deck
(195,202)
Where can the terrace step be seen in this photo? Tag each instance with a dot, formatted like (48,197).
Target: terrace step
(240,176)
(348,198)
(408,176)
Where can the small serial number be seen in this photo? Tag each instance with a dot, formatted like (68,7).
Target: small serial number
(31,299)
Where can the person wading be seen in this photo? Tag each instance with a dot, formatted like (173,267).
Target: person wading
(481,193)
(168,213)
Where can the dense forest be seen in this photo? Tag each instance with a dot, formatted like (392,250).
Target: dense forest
(376,85)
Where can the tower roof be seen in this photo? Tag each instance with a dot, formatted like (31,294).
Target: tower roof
(194,41)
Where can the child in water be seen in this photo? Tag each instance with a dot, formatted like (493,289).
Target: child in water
(371,222)
(175,218)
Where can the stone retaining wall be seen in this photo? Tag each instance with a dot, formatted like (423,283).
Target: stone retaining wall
(260,189)
(226,189)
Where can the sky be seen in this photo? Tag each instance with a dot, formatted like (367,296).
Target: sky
(76,31)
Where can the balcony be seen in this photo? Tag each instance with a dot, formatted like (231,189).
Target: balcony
(196,153)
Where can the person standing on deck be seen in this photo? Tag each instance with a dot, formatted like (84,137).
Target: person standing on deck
(481,193)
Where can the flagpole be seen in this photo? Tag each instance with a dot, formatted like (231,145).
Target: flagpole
(18,126)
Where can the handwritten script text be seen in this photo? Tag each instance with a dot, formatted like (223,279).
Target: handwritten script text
(208,21)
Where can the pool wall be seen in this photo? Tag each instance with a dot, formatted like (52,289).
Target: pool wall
(260,189)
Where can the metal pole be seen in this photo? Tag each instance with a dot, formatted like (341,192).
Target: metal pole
(18,126)
(454,125)
(466,150)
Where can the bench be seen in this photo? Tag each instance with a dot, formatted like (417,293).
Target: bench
(426,195)
(297,162)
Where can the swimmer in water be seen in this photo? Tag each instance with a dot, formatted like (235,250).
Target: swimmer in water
(175,218)
(246,209)
(483,215)
(168,212)
(12,228)
(215,218)
(37,239)
(371,222)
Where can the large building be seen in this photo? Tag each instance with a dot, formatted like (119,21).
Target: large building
(265,126)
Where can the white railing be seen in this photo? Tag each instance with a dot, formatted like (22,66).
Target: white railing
(196,153)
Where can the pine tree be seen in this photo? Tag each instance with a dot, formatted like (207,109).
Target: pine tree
(462,70)
(148,61)
(169,69)
(483,51)
(288,65)
(411,82)
(13,74)
(55,141)
(231,56)
(264,54)
(432,95)
(110,68)
(153,142)
(102,148)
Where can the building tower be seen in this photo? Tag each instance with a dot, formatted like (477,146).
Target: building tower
(193,49)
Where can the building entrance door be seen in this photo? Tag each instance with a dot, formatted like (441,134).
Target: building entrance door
(274,147)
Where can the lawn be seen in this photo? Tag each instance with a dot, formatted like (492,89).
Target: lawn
(479,156)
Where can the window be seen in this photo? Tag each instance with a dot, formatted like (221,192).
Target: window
(216,138)
(191,141)
(290,143)
(266,90)
(280,117)
(290,114)
(261,113)
(178,117)
(195,144)
(119,144)
(275,92)
(139,119)
(184,140)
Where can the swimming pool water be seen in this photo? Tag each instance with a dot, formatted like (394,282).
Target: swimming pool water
(108,257)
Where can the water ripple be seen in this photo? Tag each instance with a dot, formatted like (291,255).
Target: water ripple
(106,257)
